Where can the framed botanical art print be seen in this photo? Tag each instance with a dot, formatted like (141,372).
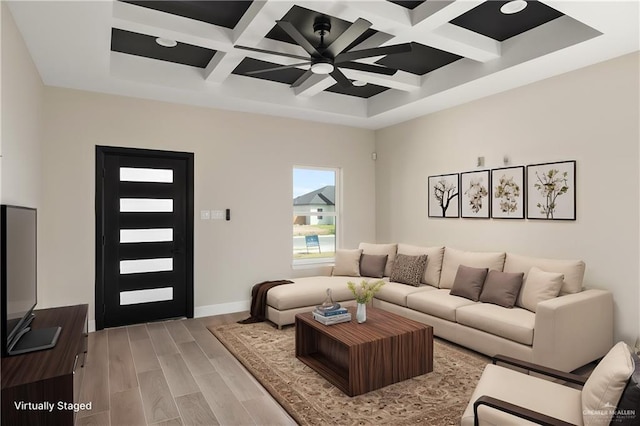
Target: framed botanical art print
(551,189)
(474,194)
(443,196)
(507,193)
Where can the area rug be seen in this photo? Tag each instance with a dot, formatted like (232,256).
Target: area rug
(437,398)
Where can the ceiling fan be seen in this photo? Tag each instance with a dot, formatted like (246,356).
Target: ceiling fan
(328,59)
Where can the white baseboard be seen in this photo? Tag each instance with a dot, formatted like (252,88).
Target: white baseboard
(92,326)
(221,308)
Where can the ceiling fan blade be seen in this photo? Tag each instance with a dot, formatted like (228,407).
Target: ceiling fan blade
(281,67)
(340,78)
(304,77)
(287,55)
(376,51)
(349,36)
(377,69)
(298,37)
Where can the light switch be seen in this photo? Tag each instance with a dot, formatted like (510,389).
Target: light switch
(205,214)
(217,214)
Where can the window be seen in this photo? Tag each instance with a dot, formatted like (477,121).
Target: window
(315,214)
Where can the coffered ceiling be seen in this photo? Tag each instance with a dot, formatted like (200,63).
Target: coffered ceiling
(460,50)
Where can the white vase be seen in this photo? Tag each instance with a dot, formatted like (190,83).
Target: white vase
(361,313)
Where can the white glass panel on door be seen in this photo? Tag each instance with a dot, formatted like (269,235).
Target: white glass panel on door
(148,205)
(133,174)
(145,296)
(138,266)
(155,235)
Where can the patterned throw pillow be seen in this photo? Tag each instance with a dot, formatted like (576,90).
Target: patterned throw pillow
(408,269)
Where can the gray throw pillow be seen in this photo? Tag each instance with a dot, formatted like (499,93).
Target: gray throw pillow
(468,282)
(502,288)
(372,265)
(408,269)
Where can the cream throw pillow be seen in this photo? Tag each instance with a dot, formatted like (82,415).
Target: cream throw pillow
(347,263)
(538,287)
(602,391)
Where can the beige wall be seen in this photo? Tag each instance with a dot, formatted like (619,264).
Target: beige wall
(590,115)
(22,98)
(242,161)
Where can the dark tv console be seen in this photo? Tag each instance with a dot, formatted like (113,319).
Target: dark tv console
(40,388)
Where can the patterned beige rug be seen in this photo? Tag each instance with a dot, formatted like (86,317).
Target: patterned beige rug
(437,398)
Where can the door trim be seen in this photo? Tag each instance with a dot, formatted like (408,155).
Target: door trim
(101,152)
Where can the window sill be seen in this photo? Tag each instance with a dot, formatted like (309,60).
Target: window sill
(312,263)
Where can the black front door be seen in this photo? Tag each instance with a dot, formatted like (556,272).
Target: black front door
(144,235)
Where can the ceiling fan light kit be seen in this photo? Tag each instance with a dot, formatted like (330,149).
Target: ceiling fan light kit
(329,59)
(322,68)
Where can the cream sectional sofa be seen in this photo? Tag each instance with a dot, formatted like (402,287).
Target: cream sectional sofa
(564,332)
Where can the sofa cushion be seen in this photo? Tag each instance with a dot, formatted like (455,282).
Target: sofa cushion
(308,291)
(602,391)
(468,282)
(397,293)
(372,265)
(502,288)
(537,394)
(438,303)
(538,287)
(434,261)
(573,270)
(454,258)
(408,269)
(514,324)
(347,263)
(388,249)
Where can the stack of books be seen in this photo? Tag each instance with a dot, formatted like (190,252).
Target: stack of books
(333,316)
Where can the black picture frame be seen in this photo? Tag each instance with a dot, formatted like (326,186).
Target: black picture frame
(448,186)
(475,194)
(508,189)
(551,191)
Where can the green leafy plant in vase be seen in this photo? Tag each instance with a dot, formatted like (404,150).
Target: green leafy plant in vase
(363,293)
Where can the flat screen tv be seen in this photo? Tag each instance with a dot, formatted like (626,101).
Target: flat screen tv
(18,283)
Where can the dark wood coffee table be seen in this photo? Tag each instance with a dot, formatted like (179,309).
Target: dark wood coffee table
(359,358)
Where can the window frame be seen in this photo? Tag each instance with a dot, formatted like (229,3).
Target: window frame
(336,214)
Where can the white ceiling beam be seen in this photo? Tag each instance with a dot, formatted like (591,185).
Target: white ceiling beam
(313,85)
(461,41)
(432,14)
(258,20)
(372,11)
(221,65)
(152,22)
(401,80)
(428,9)
(253,26)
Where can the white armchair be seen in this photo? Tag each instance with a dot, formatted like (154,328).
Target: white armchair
(505,396)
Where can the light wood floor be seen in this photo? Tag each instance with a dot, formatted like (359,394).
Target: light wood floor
(172,373)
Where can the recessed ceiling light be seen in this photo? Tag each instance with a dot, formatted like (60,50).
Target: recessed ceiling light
(359,83)
(166,42)
(512,7)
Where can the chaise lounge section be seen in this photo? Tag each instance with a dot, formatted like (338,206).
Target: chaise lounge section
(565,330)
